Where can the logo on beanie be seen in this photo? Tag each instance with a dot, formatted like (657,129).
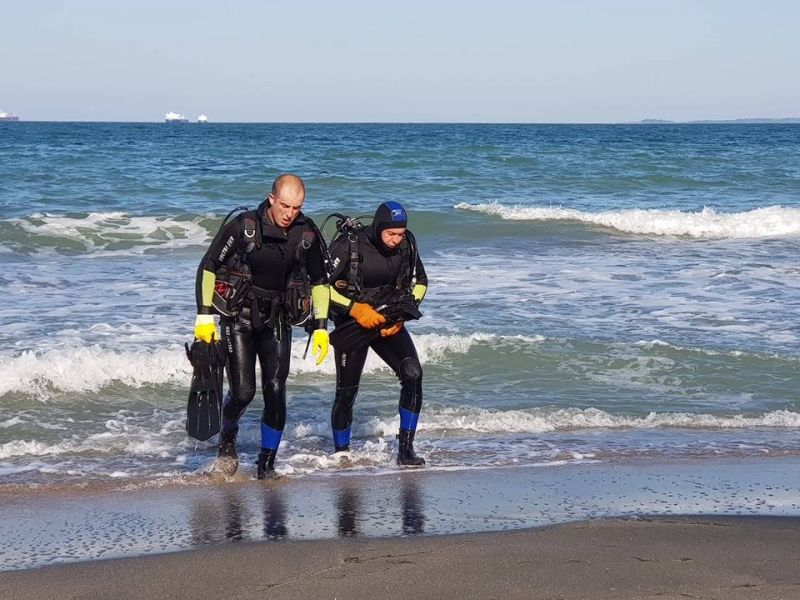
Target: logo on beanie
(397,211)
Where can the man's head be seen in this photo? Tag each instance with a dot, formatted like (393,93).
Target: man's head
(390,223)
(286,199)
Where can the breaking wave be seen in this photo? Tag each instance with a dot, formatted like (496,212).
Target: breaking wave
(44,373)
(105,232)
(771,221)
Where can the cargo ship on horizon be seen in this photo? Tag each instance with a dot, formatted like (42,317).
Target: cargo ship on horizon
(173,117)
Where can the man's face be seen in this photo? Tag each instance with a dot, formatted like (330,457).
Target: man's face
(285,206)
(392,238)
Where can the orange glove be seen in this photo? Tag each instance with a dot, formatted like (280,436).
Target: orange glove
(366,316)
(392,329)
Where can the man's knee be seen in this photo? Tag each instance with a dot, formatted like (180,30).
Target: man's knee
(274,388)
(346,396)
(235,404)
(410,371)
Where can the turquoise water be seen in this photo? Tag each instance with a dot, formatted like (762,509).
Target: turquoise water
(598,293)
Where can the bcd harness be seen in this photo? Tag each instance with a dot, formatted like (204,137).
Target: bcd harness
(352,229)
(235,291)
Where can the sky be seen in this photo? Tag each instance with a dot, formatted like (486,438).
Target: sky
(535,61)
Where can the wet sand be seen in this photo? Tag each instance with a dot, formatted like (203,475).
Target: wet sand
(728,558)
(52,525)
(555,531)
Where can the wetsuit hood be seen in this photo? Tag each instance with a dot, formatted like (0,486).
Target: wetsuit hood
(388,215)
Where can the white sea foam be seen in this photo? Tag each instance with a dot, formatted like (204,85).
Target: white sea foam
(369,455)
(124,435)
(134,437)
(44,373)
(470,420)
(771,221)
(102,231)
(88,369)
(431,349)
(538,420)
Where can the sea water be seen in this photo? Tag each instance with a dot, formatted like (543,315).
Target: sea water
(608,293)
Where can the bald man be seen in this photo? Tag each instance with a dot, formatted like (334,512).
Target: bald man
(265,252)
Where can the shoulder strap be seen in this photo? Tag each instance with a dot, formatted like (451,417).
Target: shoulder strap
(309,234)
(251,232)
(412,243)
(352,275)
(225,221)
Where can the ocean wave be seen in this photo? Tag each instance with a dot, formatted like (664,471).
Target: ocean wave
(104,232)
(125,435)
(543,420)
(159,434)
(45,373)
(470,420)
(656,343)
(771,221)
(89,369)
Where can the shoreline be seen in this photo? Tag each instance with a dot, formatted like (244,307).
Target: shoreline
(646,558)
(77,525)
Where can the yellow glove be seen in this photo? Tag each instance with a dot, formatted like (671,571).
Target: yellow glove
(392,329)
(366,316)
(319,345)
(205,329)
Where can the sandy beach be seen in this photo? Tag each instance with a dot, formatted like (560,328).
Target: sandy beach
(684,557)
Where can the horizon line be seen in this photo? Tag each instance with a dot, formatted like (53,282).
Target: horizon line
(649,121)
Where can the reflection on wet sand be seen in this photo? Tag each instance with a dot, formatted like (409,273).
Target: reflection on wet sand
(275,514)
(413,508)
(234,511)
(348,503)
(218,519)
(346,508)
(104,524)
(350,513)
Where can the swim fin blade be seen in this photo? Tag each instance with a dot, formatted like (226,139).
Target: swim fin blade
(204,407)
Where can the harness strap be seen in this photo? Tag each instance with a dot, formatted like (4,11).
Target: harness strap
(407,276)
(352,276)
(272,298)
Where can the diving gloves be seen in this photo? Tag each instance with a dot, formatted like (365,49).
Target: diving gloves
(392,329)
(319,345)
(205,329)
(366,316)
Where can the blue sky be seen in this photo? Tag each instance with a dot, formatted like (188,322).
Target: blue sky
(419,61)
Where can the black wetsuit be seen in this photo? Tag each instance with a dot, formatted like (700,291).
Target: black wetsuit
(384,276)
(259,330)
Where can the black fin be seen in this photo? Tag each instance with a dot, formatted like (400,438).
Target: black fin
(350,335)
(204,407)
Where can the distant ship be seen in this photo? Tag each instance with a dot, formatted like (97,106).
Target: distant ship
(4,116)
(173,117)
(202,119)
